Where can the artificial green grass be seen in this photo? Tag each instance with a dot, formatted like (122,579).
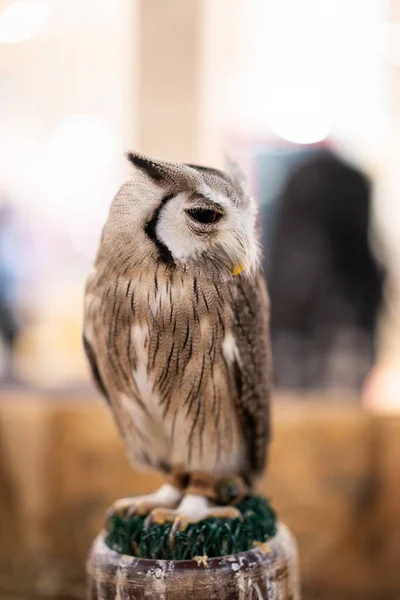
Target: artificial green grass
(211,537)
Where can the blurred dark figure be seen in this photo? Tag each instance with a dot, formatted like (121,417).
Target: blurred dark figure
(9,328)
(325,283)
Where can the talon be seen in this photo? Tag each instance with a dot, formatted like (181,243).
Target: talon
(181,523)
(108,521)
(131,512)
(149,520)
(224,512)
(118,509)
(160,516)
(140,509)
(166,498)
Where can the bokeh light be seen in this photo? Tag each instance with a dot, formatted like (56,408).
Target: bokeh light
(22,20)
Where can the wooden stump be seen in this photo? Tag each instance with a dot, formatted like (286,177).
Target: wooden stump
(269,572)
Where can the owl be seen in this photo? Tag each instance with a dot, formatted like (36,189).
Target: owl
(176,332)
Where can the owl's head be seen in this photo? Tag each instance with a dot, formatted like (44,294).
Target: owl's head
(185,216)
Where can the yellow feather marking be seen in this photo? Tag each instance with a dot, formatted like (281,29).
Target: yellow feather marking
(238,269)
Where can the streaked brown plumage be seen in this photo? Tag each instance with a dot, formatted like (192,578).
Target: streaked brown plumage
(177,344)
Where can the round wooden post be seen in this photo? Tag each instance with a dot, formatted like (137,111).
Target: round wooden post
(268,572)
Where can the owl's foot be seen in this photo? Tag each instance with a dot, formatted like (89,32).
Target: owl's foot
(192,509)
(166,497)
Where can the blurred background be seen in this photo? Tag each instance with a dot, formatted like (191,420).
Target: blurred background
(306,96)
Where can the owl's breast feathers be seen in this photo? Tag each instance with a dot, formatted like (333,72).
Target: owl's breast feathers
(190,356)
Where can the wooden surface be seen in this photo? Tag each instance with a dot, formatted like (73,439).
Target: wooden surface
(333,478)
(269,572)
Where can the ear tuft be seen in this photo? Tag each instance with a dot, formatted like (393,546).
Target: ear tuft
(202,169)
(235,171)
(154,170)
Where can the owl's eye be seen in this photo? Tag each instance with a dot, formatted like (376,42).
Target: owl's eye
(204,215)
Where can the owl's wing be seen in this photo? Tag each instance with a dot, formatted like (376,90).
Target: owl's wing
(91,357)
(252,369)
